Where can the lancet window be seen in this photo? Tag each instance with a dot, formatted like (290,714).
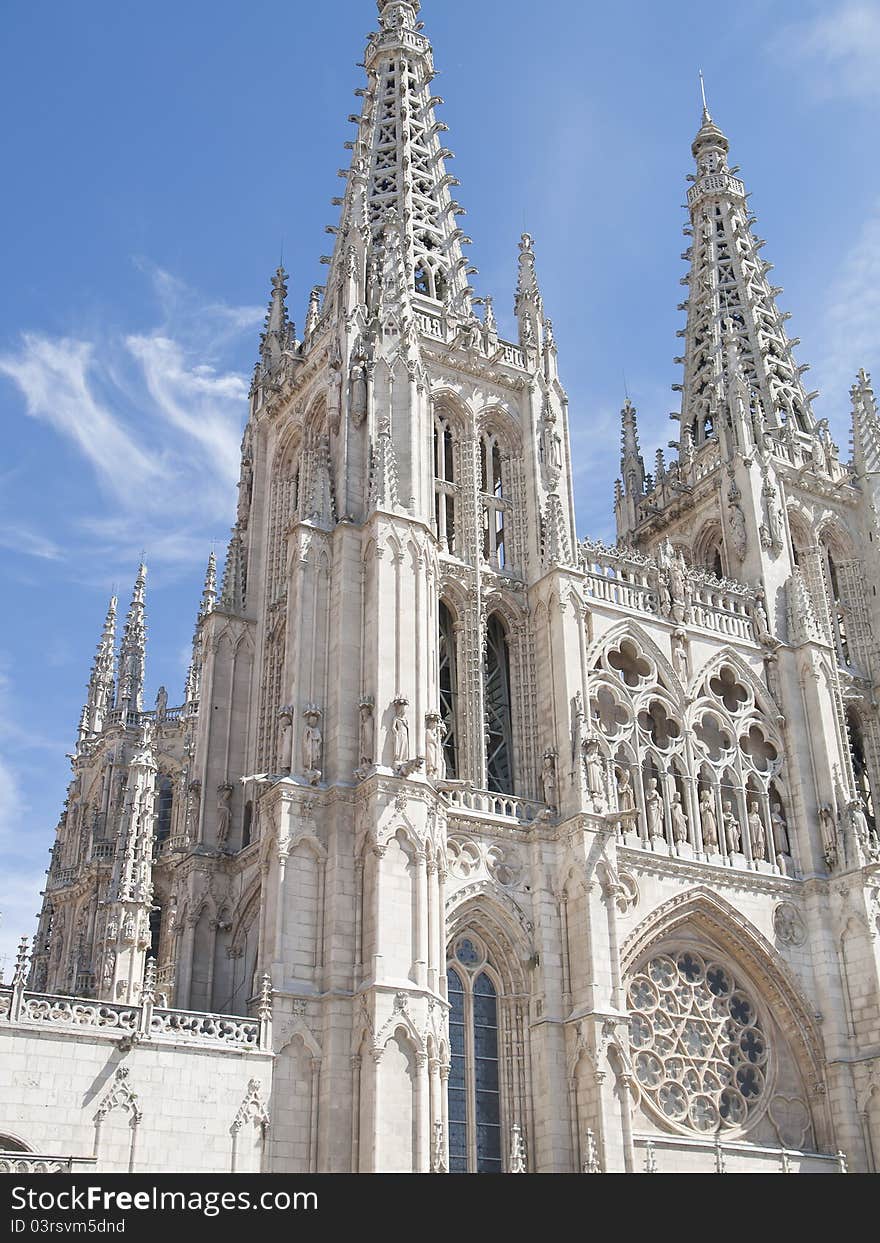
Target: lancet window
(164,806)
(497,702)
(474,1081)
(495,503)
(448,683)
(445,486)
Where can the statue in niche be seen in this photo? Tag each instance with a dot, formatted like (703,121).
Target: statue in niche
(732,831)
(192,815)
(161,703)
(245,488)
(626,799)
(595,770)
(285,739)
(678,589)
(760,620)
(548,778)
(108,968)
(757,836)
(678,819)
(400,731)
(680,657)
(224,813)
(358,394)
(366,736)
(738,536)
(708,820)
(829,835)
(859,821)
(434,745)
(129,930)
(780,829)
(312,743)
(654,809)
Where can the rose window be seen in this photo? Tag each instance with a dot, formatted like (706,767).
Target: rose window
(699,1052)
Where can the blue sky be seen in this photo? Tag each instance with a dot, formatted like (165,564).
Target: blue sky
(159,157)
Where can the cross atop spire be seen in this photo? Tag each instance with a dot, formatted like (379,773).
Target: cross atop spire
(278,335)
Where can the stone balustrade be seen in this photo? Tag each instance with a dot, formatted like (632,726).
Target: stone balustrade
(38,1163)
(632,582)
(137,1021)
(491,803)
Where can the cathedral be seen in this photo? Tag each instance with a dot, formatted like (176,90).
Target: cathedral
(473,845)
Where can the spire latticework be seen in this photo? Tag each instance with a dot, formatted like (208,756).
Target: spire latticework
(397,181)
(279,334)
(729,292)
(866,426)
(132,650)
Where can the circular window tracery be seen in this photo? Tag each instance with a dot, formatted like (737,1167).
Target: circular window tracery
(699,1051)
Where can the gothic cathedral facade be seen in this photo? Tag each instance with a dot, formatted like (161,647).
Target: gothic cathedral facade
(494,849)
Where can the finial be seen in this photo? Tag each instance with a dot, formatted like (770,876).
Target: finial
(706,114)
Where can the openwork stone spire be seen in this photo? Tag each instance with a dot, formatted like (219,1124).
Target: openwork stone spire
(729,292)
(865,426)
(233,589)
(632,464)
(132,651)
(209,601)
(398,178)
(100,698)
(279,331)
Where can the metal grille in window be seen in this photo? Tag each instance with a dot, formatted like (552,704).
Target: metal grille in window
(700,1053)
(499,749)
(448,690)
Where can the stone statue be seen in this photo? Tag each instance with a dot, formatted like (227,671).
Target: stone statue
(433,744)
(780,829)
(829,835)
(757,835)
(108,968)
(654,809)
(626,799)
(738,536)
(680,657)
(312,744)
(224,813)
(761,623)
(708,820)
(366,735)
(161,703)
(400,731)
(548,778)
(594,769)
(192,815)
(285,739)
(678,589)
(678,819)
(732,831)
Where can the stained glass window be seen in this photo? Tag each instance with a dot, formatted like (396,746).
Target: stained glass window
(475,1141)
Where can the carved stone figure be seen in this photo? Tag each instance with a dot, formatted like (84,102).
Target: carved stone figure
(400,731)
(732,831)
(678,589)
(366,735)
(192,814)
(757,836)
(738,536)
(708,820)
(680,658)
(679,820)
(829,835)
(594,769)
(859,821)
(161,703)
(654,809)
(626,799)
(761,623)
(312,744)
(224,813)
(780,830)
(129,929)
(434,761)
(285,739)
(548,778)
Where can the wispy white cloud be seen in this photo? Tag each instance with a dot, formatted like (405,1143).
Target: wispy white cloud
(839,45)
(57,380)
(156,415)
(851,321)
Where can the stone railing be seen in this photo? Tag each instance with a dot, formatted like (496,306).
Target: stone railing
(640,584)
(103,849)
(490,803)
(668,1154)
(64,876)
(430,325)
(716,183)
(38,1163)
(136,1022)
(170,845)
(512,354)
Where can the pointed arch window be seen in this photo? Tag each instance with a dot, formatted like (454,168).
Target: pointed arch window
(445,486)
(859,758)
(164,807)
(499,733)
(474,1077)
(836,607)
(495,503)
(448,683)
